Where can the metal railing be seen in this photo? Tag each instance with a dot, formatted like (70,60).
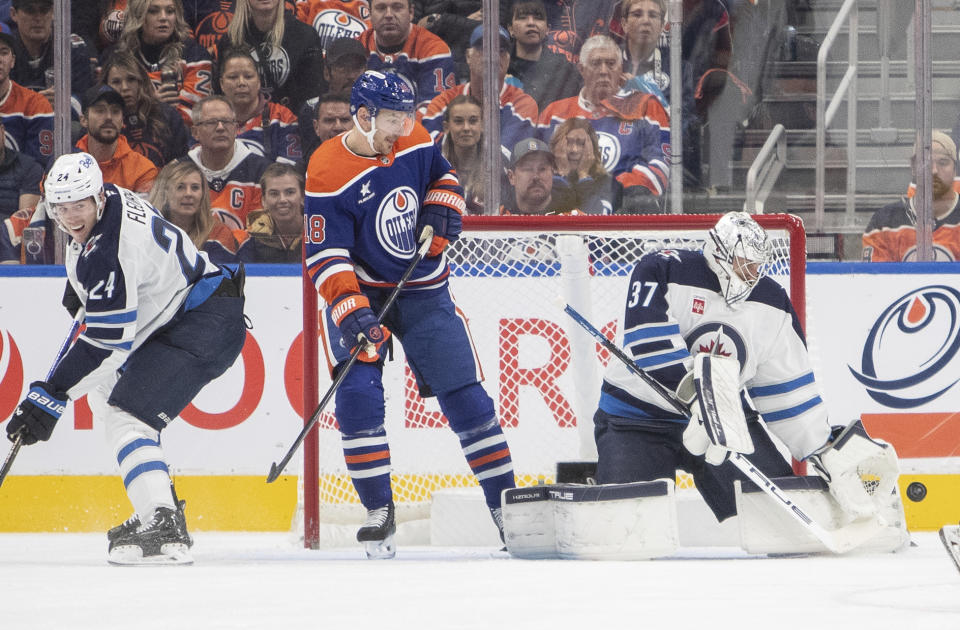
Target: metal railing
(826,111)
(765,170)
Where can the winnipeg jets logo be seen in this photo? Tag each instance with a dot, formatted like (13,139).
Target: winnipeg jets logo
(365,194)
(91,245)
(717,338)
(396,219)
(669,253)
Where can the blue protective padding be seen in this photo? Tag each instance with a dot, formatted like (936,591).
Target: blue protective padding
(467,408)
(359,400)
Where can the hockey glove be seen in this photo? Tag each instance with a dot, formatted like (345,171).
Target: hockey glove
(358,324)
(860,471)
(37,414)
(447,223)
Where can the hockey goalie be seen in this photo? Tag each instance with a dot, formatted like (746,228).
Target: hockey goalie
(716,337)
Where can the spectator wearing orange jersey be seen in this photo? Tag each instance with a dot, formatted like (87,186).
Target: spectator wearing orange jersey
(891,235)
(103,118)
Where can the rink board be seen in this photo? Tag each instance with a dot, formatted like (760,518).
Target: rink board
(222,449)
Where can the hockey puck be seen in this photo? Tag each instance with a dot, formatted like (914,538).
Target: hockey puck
(916,491)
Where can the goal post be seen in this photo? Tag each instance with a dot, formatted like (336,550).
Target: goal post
(542,372)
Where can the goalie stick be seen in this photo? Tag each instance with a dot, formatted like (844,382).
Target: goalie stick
(950,537)
(18,441)
(426,236)
(838,541)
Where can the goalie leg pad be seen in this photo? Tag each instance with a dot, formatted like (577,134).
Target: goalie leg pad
(632,521)
(765,528)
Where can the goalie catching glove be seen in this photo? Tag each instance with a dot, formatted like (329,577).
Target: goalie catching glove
(717,424)
(850,458)
(358,324)
(37,414)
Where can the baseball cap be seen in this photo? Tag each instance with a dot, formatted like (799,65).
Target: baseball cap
(6,36)
(101,93)
(26,5)
(528,146)
(476,38)
(344,47)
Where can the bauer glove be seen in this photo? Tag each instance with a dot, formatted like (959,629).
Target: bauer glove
(358,324)
(37,414)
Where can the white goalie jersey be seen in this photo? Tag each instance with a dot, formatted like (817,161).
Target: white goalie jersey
(675,310)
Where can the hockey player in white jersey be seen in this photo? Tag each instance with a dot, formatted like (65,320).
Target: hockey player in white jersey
(720,304)
(161,321)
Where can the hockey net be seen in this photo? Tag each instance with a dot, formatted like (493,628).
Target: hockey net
(541,370)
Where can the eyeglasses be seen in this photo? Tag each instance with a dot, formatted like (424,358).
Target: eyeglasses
(213,124)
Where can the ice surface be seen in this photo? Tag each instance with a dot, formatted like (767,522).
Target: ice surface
(266,581)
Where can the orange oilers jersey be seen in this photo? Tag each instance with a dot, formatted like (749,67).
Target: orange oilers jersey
(334,19)
(362,214)
(891,235)
(424,61)
(633,132)
(234,189)
(195,78)
(27,122)
(127,168)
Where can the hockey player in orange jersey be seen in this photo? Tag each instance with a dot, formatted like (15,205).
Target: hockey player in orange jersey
(370,192)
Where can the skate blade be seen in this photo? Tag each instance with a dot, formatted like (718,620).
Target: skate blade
(380,549)
(171,554)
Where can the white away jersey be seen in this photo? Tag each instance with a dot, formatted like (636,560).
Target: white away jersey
(675,310)
(133,275)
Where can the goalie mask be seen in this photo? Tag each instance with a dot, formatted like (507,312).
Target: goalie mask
(738,252)
(73,177)
(388,99)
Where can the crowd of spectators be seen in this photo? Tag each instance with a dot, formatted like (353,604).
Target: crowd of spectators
(233,88)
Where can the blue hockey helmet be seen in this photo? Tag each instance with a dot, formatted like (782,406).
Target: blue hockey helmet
(378,90)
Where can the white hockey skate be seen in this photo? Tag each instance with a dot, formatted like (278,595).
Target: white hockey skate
(377,533)
(163,541)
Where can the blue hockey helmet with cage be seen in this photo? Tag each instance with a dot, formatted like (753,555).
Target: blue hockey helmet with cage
(379,90)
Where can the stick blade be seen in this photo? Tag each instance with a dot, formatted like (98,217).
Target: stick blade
(274,472)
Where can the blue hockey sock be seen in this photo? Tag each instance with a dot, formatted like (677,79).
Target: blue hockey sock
(367,456)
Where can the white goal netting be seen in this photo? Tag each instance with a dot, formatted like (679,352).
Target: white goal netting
(542,371)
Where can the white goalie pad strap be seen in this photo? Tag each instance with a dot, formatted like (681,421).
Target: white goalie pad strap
(950,537)
(717,422)
(632,521)
(859,470)
(767,529)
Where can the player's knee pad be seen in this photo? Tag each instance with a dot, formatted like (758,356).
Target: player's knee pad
(360,406)
(468,409)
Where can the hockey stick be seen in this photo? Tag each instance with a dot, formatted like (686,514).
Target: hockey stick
(950,537)
(275,469)
(837,541)
(18,441)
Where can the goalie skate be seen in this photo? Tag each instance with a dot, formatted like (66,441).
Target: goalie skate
(163,541)
(377,533)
